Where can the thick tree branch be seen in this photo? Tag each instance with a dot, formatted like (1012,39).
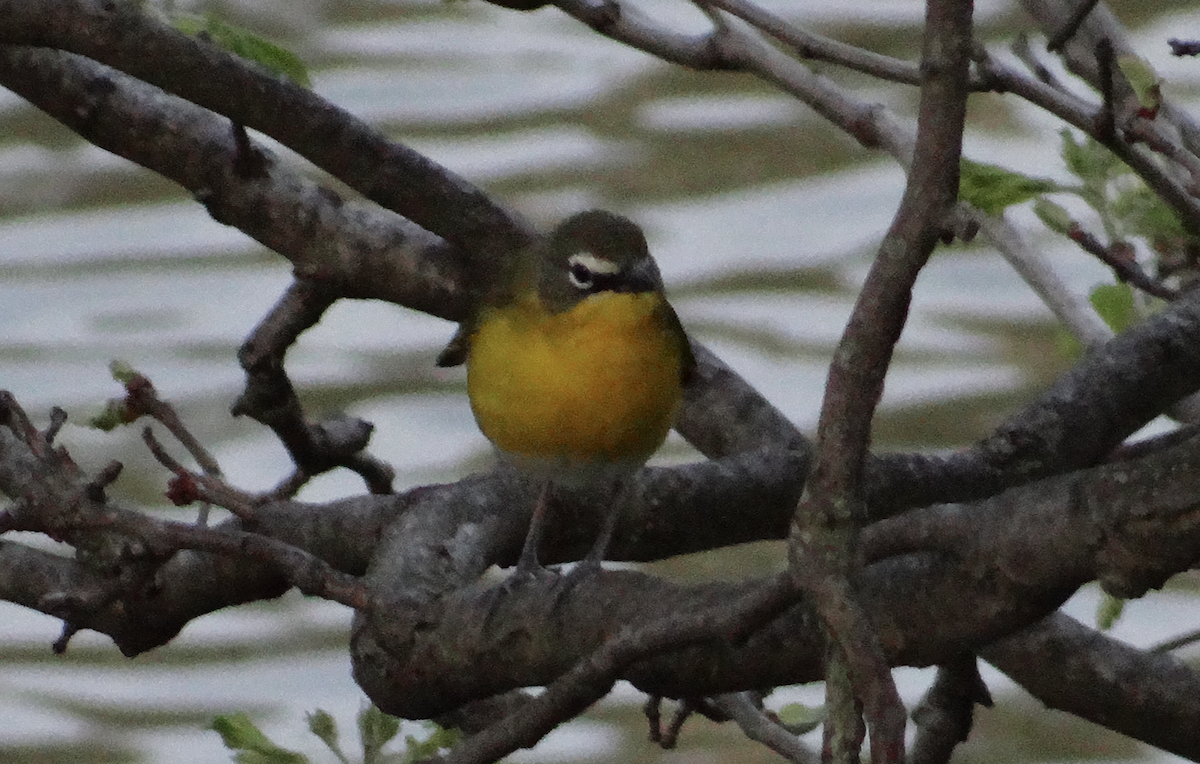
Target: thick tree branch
(341,248)
(1130,524)
(822,539)
(121,34)
(592,677)
(1074,425)
(362,250)
(1112,392)
(1087,413)
(1148,696)
(946,713)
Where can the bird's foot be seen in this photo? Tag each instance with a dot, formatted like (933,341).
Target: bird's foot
(583,570)
(512,583)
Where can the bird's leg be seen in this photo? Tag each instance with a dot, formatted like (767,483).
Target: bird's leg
(528,566)
(599,549)
(590,564)
(528,563)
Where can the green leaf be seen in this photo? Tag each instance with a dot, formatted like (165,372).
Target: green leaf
(240,734)
(1089,161)
(799,718)
(114,415)
(244,43)
(1114,304)
(1053,215)
(376,729)
(1143,213)
(121,371)
(1108,611)
(1143,79)
(321,724)
(991,188)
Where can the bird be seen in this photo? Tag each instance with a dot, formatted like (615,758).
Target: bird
(576,364)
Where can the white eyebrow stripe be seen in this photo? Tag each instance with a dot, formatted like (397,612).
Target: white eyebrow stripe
(595,264)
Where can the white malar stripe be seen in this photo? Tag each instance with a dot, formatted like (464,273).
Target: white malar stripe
(594,264)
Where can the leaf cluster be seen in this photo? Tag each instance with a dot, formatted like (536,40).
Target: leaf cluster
(1125,206)
(375,731)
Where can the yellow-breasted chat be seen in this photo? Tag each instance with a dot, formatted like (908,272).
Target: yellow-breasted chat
(576,362)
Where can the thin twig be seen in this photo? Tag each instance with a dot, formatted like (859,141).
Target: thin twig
(811,45)
(1064,35)
(745,708)
(1149,132)
(1068,306)
(142,399)
(1084,116)
(1120,257)
(1184,47)
(188,486)
(270,398)
(1106,119)
(1021,48)
(1173,644)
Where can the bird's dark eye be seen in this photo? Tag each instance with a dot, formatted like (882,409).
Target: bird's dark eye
(581,276)
(590,273)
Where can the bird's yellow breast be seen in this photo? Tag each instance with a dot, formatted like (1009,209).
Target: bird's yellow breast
(597,383)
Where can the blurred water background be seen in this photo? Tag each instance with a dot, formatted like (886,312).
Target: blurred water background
(762,218)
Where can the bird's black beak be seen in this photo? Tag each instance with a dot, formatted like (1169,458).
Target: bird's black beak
(641,276)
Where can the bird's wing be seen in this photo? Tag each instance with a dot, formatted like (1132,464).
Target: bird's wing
(455,352)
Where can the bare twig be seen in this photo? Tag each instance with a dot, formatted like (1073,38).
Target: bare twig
(1079,56)
(269,398)
(745,708)
(1120,257)
(817,47)
(1056,43)
(1173,644)
(1084,116)
(187,486)
(58,418)
(142,400)
(630,24)
(1149,132)
(128,549)
(302,569)
(1106,120)
(822,540)
(1184,47)
(1072,309)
